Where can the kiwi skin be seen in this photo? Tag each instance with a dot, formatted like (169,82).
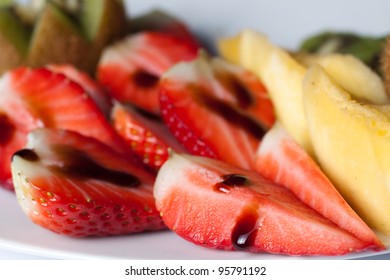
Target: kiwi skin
(103,22)
(57,35)
(10,57)
(56,39)
(14,38)
(385,64)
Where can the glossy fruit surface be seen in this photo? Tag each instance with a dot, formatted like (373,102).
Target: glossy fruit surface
(77,186)
(217,205)
(216,109)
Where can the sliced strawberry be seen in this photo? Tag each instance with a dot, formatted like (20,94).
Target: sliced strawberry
(217,205)
(94,90)
(131,68)
(12,137)
(216,109)
(283,161)
(145,133)
(160,21)
(31,98)
(77,186)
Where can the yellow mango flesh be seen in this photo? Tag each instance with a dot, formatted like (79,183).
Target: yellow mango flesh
(352,144)
(355,77)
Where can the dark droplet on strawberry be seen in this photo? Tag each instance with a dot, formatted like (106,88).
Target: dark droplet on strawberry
(145,80)
(7,129)
(27,154)
(236,180)
(260,217)
(79,164)
(230,181)
(245,230)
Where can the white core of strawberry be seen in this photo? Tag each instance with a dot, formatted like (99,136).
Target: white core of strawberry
(174,170)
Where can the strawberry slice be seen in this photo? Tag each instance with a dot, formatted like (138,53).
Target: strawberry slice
(283,161)
(131,68)
(12,138)
(77,186)
(217,205)
(31,98)
(216,109)
(94,90)
(145,133)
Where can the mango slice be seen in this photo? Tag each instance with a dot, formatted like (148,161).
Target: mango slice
(282,73)
(351,141)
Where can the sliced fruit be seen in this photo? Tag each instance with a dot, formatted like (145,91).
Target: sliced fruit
(281,74)
(77,186)
(30,10)
(82,78)
(56,39)
(131,68)
(216,205)
(31,98)
(351,142)
(146,134)
(273,64)
(161,21)
(14,38)
(12,138)
(216,109)
(102,22)
(280,159)
(366,48)
(355,77)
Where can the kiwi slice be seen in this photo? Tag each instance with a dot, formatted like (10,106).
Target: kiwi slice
(63,31)
(14,38)
(103,22)
(56,38)
(368,49)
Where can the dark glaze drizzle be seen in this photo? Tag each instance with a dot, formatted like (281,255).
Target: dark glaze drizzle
(245,231)
(7,129)
(236,87)
(77,164)
(27,154)
(144,79)
(229,113)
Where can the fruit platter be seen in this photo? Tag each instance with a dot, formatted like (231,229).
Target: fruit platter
(145,130)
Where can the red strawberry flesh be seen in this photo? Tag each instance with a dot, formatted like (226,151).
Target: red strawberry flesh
(281,160)
(32,98)
(217,205)
(131,68)
(99,96)
(216,109)
(145,133)
(78,186)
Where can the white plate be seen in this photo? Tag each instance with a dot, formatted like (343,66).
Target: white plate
(286,23)
(19,234)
